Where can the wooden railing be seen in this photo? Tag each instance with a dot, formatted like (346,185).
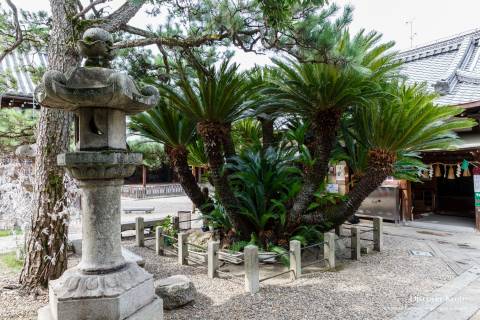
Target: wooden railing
(140,192)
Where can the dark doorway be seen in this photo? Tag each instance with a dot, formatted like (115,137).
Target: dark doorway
(455,196)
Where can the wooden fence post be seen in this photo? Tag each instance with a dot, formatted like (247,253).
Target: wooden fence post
(355,243)
(378,234)
(182,248)
(329,249)
(295,259)
(139,231)
(176,223)
(212,255)
(159,241)
(252,273)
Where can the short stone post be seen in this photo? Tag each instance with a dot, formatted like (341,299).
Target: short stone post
(295,259)
(139,232)
(182,248)
(252,273)
(377,234)
(212,256)
(329,249)
(355,243)
(159,241)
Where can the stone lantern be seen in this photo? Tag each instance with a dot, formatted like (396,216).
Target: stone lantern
(103,285)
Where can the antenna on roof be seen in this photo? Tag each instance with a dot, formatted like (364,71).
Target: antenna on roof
(412,34)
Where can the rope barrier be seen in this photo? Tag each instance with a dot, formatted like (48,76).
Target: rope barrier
(169,237)
(313,245)
(313,262)
(365,231)
(175,253)
(196,219)
(367,239)
(276,275)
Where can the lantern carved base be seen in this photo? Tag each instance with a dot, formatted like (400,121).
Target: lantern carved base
(127,293)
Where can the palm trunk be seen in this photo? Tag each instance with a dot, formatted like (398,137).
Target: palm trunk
(324,133)
(228,145)
(212,134)
(46,253)
(267,133)
(380,166)
(178,158)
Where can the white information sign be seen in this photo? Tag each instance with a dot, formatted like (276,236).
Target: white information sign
(476,183)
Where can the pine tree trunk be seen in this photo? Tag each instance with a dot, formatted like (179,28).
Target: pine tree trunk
(46,252)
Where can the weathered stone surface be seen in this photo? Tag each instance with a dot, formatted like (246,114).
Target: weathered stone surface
(89,165)
(109,296)
(26,151)
(175,291)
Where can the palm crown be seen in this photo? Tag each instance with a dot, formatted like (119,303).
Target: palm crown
(408,120)
(164,124)
(220,95)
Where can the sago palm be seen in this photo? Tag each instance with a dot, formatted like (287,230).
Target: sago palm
(215,99)
(320,92)
(170,127)
(405,121)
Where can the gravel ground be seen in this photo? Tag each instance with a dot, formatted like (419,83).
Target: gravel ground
(365,289)
(15,304)
(378,286)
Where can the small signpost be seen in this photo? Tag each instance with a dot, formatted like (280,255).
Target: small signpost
(476,189)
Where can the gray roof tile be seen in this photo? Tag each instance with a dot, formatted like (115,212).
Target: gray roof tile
(452,64)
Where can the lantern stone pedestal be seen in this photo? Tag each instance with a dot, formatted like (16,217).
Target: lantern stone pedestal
(103,286)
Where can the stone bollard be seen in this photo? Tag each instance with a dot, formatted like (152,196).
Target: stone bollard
(377,234)
(295,259)
(252,273)
(212,255)
(159,241)
(355,243)
(329,249)
(139,231)
(182,248)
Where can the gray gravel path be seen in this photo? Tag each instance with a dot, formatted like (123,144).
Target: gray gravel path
(379,286)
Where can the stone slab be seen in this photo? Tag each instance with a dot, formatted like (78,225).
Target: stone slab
(152,311)
(423,308)
(462,305)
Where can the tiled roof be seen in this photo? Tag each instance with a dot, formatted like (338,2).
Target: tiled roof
(450,67)
(15,69)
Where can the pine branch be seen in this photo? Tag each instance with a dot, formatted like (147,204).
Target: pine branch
(120,17)
(91,6)
(18,32)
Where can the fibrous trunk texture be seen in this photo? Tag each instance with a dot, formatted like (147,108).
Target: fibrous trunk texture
(380,165)
(46,251)
(178,158)
(321,142)
(267,133)
(212,134)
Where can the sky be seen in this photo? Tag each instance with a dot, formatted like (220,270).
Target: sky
(432,19)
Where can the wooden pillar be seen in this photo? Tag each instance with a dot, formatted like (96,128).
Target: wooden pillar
(476,189)
(144,176)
